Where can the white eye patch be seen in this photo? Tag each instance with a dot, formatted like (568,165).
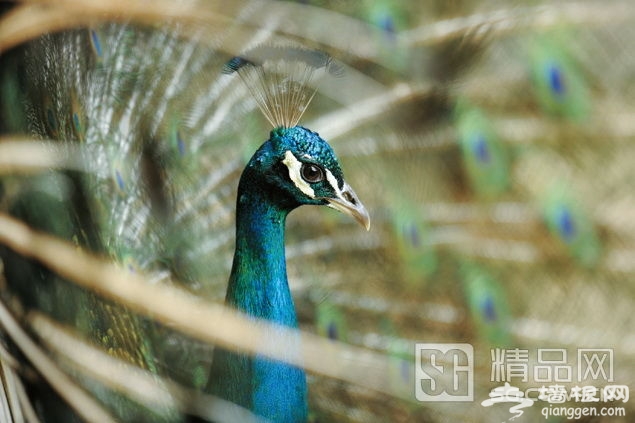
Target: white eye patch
(294,165)
(333,182)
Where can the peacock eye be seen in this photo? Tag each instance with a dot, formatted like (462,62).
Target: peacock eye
(311,173)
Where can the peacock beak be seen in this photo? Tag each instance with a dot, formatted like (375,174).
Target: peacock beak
(347,202)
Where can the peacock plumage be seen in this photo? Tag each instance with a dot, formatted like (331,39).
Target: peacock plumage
(490,143)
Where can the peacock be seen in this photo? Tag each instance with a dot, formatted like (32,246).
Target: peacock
(145,270)
(294,167)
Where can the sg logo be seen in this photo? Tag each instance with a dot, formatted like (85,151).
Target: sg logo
(444,372)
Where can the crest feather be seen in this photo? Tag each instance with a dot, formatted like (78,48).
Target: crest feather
(279,78)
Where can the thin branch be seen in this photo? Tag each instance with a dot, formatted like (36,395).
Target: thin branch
(191,315)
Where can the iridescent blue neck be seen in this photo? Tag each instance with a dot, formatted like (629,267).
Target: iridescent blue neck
(258,283)
(258,287)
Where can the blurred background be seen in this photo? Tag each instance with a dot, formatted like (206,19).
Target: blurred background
(493,144)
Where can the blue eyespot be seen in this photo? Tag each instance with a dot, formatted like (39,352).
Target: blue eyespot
(119,179)
(180,144)
(411,232)
(489,309)
(76,122)
(387,23)
(332,331)
(555,78)
(566,224)
(481,149)
(95,43)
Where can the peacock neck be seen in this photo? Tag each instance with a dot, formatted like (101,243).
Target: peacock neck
(258,287)
(258,282)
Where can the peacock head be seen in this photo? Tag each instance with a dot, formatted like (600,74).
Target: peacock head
(300,168)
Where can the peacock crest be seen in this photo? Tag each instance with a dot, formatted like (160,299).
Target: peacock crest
(282,79)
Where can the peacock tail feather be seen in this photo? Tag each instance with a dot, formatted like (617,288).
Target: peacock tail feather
(490,141)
